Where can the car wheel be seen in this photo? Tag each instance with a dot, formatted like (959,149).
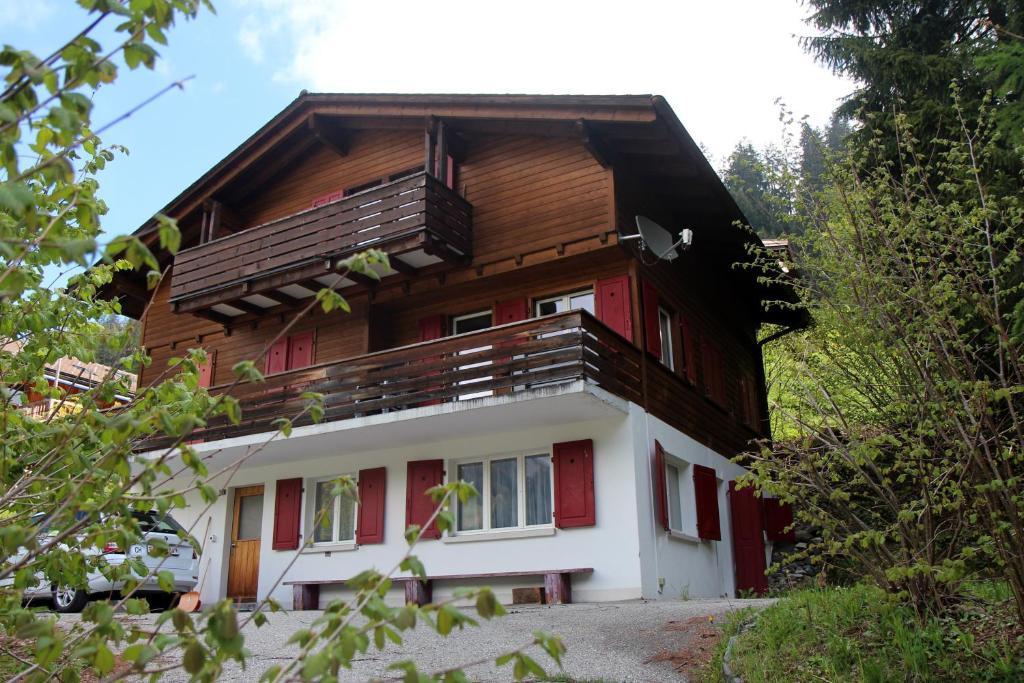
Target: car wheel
(162,601)
(68,600)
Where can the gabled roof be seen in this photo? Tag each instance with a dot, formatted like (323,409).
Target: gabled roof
(639,134)
(641,130)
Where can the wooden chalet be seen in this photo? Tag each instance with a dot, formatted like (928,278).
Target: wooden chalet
(592,393)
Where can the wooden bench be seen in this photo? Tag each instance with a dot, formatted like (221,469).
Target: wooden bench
(557,586)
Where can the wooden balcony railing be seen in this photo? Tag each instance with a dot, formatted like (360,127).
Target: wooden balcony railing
(415,214)
(510,358)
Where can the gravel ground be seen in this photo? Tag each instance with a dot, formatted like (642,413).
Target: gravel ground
(610,641)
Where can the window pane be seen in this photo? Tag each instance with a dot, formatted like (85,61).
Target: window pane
(548,307)
(504,502)
(471,513)
(665,321)
(538,489)
(250,517)
(323,516)
(472,323)
(346,519)
(584,301)
(675,510)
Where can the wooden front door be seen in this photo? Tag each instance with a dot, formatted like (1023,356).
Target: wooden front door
(747,540)
(244,563)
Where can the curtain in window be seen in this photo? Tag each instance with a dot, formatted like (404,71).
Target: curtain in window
(324,531)
(346,519)
(675,510)
(504,499)
(538,489)
(471,513)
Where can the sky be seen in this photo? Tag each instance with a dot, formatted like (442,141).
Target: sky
(722,65)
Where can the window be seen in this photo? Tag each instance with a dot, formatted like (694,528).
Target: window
(665,330)
(473,322)
(682,513)
(334,517)
(515,492)
(566,302)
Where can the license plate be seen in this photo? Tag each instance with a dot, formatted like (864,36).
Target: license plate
(172,551)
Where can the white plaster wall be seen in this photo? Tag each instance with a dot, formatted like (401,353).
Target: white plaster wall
(674,568)
(611,547)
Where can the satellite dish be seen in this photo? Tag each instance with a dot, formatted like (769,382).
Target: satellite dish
(659,240)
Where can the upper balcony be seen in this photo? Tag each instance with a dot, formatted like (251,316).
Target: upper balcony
(417,220)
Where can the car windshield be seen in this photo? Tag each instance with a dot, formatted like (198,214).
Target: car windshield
(152,522)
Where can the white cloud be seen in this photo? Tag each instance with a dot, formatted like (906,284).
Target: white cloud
(721,65)
(27,14)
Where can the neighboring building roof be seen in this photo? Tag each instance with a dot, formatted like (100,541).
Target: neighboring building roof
(73,372)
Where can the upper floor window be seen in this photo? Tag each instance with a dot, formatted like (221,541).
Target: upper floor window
(515,492)
(566,302)
(334,517)
(665,330)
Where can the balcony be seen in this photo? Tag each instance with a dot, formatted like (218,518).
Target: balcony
(535,355)
(417,220)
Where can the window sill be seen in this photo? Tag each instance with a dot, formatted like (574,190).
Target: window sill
(684,537)
(330,548)
(470,536)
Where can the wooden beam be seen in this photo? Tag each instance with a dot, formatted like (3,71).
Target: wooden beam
(429,134)
(400,266)
(362,279)
(594,144)
(442,152)
(327,137)
(283,298)
(219,318)
(244,305)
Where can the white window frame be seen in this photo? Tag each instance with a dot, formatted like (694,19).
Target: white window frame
(469,383)
(665,332)
(687,498)
(335,543)
(485,495)
(565,298)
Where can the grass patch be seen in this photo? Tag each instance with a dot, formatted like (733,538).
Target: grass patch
(861,634)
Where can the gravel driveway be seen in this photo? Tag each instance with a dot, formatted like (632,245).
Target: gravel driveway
(608,641)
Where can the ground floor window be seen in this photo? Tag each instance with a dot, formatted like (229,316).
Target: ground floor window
(682,514)
(334,516)
(515,491)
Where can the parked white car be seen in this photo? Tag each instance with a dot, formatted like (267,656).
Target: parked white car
(181,560)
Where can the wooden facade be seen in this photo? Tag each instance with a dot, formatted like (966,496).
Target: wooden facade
(520,199)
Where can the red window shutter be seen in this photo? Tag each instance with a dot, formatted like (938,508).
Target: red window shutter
(450,177)
(511,311)
(432,327)
(689,345)
(574,483)
(207,369)
(778,516)
(300,350)
(287,513)
(660,486)
(753,402)
(370,523)
(277,357)
(420,476)
(613,305)
(652,326)
(705,487)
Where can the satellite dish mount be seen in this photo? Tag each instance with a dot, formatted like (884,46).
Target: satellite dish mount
(658,240)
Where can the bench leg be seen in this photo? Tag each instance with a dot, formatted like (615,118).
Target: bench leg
(557,589)
(306,597)
(418,592)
